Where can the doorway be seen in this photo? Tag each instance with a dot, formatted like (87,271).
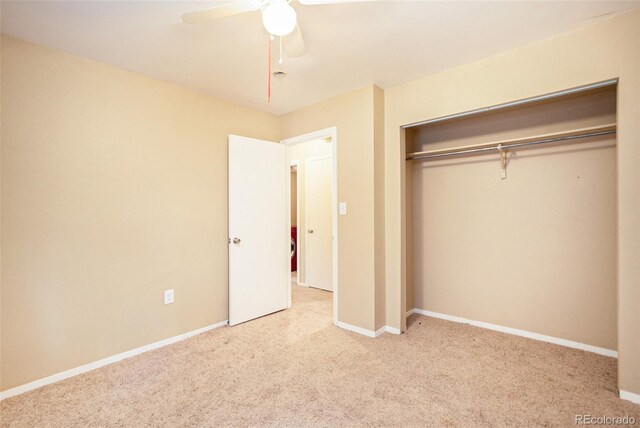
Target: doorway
(313,214)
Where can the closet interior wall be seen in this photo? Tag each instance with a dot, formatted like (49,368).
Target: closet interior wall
(535,251)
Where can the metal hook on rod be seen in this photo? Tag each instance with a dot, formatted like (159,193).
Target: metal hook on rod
(503,159)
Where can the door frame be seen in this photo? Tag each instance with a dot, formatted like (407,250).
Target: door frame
(295,163)
(332,133)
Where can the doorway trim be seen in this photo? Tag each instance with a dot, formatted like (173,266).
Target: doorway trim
(295,163)
(332,133)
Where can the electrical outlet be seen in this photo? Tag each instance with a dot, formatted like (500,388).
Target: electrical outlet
(168,296)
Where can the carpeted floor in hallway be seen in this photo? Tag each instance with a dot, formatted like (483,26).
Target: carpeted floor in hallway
(295,368)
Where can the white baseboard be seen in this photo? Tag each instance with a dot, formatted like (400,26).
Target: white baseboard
(387,329)
(365,332)
(356,329)
(516,332)
(630,396)
(391,330)
(103,362)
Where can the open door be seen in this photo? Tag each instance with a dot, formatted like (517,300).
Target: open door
(258,236)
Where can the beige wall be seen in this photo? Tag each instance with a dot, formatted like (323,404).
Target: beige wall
(0,209)
(536,251)
(353,115)
(598,52)
(114,188)
(378,153)
(300,153)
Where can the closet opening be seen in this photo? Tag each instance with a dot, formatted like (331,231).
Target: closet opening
(511,217)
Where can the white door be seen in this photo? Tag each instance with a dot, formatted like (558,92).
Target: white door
(319,208)
(258,238)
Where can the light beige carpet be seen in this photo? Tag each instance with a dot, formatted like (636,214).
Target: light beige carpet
(294,368)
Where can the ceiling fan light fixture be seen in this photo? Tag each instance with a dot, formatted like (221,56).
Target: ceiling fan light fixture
(279,18)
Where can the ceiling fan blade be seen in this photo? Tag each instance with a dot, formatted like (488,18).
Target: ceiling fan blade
(315,2)
(293,43)
(222,11)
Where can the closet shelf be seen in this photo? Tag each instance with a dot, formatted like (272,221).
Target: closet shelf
(518,103)
(514,143)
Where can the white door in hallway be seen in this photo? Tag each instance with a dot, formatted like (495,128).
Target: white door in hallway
(318,213)
(258,236)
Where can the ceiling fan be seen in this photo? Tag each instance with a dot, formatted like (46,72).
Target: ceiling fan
(278,18)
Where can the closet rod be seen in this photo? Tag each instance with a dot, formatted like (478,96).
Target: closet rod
(536,98)
(510,144)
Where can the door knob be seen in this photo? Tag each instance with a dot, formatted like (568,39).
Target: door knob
(236,240)
(310,230)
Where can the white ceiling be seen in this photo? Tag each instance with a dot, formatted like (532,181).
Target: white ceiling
(348,46)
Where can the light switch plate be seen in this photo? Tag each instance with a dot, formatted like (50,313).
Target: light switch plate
(342,208)
(168,296)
